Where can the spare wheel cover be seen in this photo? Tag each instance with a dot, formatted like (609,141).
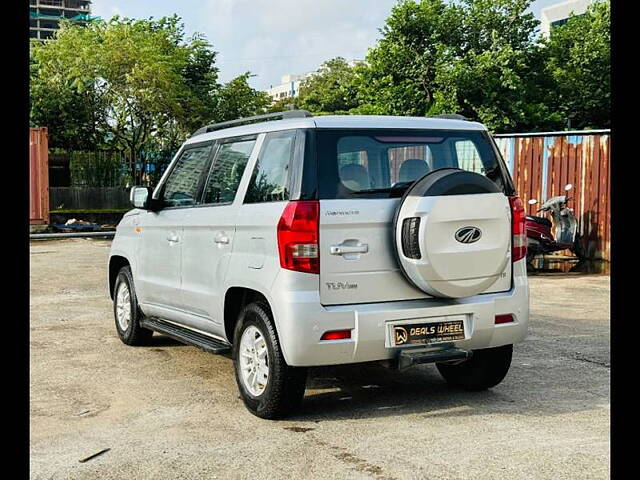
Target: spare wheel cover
(453,233)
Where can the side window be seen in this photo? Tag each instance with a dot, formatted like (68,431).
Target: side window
(181,187)
(227,169)
(468,156)
(270,177)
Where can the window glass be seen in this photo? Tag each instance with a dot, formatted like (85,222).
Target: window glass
(468,157)
(382,163)
(409,163)
(226,171)
(353,167)
(181,188)
(390,164)
(271,174)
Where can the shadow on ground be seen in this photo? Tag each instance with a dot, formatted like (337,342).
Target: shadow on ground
(549,265)
(360,391)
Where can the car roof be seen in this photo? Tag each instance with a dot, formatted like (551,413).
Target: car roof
(341,121)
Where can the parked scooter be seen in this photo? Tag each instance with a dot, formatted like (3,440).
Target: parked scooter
(540,240)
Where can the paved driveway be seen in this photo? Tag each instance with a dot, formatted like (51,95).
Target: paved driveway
(172,411)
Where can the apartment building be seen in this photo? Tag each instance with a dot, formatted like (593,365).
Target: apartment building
(559,13)
(289,86)
(45,15)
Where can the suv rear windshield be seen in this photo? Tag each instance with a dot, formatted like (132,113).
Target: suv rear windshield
(383,163)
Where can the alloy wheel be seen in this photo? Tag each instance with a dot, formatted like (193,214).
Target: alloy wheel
(254,361)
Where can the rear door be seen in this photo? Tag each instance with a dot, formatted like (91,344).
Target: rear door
(209,234)
(255,253)
(362,175)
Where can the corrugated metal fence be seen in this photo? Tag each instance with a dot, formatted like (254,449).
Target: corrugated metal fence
(38,176)
(541,164)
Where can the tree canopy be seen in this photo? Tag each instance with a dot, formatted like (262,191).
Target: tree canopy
(237,99)
(142,85)
(483,59)
(579,62)
(131,85)
(330,89)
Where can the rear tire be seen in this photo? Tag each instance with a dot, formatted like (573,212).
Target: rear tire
(283,390)
(485,369)
(126,311)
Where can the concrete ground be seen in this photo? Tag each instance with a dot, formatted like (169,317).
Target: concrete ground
(171,411)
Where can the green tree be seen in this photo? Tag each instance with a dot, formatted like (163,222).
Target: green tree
(135,86)
(330,89)
(398,77)
(286,103)
(579,62)
(72,117)
(237,99)
(479,58)
(201,78)
(496,74)
(135,71)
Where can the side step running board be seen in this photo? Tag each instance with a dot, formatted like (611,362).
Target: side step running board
(184,335)
(414,357)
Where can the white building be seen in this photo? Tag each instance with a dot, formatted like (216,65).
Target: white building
(289,86)
(559,13)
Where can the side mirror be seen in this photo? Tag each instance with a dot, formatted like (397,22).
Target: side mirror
(140,196)
(533,201)
(568,187)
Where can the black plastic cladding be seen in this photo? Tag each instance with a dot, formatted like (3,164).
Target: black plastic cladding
(452,181)
(410,239)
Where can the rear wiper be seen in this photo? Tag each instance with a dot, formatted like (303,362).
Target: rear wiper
(397,186)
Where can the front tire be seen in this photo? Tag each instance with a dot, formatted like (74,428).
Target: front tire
(126,311)
(268,386)
(485,369)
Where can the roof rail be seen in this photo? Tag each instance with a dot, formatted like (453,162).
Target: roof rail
(255,119)
(450,116)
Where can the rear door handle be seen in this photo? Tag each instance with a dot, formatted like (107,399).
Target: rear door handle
(173,237)
(346,249)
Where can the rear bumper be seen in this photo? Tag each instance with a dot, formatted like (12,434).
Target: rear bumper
(301,320)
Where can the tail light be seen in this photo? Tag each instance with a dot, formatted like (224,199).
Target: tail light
(506,318)
(336,335)
(298,236)
(519,240)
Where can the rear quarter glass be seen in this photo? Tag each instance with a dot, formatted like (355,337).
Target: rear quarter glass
(382,163)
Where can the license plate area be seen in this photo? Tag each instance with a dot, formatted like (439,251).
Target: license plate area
(427,331)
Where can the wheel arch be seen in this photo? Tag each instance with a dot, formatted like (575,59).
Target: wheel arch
(235,299)
(116,262)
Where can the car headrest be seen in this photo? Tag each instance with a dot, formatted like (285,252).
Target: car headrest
(355,177)
(412,169)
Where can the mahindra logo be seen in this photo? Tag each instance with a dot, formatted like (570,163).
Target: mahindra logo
(468,234)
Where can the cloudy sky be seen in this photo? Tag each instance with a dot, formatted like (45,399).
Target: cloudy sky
(271,38)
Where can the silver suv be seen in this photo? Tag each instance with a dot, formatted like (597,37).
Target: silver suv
(295,241)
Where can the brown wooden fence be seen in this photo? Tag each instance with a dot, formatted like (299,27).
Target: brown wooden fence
(543,163)
(38,177)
